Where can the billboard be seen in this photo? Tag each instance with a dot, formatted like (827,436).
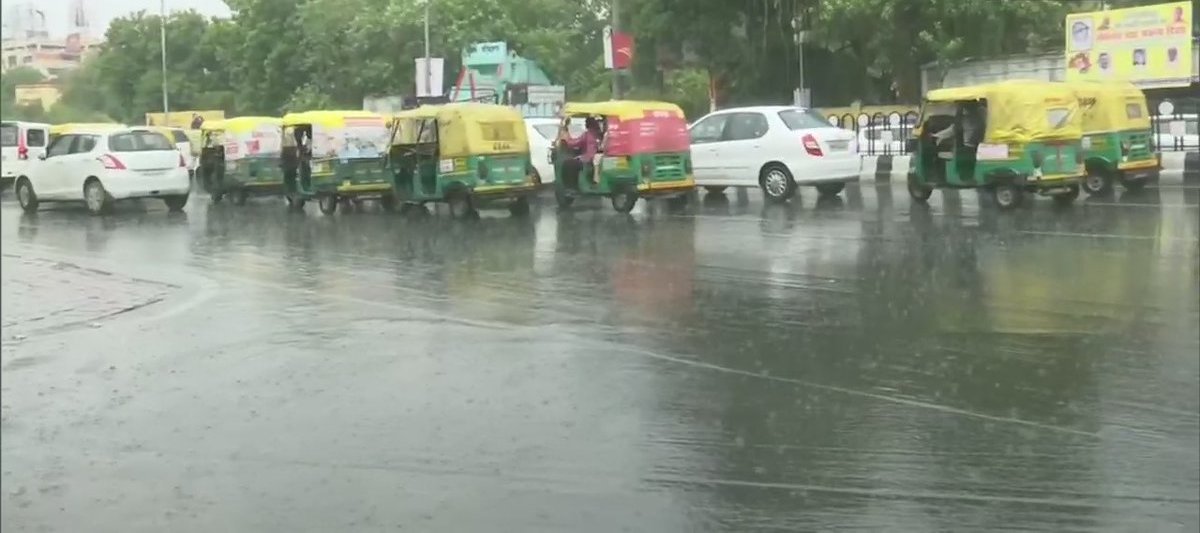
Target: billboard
(1150,46)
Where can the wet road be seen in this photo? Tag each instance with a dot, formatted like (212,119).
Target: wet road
(855,364)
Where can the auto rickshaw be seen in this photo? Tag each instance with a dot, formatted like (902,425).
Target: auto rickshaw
(465,154)
(1008,139)
(239,158)
(644,151)
(1116,136)
(334,155)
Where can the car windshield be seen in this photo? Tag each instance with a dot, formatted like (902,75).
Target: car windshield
(9,134)
(803,119)
(139,141)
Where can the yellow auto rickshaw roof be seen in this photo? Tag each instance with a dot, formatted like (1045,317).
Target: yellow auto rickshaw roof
(60,129)
(327,118)
(466,128)
(241,124)
(621,109)
(1019,111)
(1106,106)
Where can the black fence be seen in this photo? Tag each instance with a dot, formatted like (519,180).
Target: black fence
(1173,122)
(1173,126)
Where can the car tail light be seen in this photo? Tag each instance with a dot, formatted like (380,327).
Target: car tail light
(182,161)
(111,163)
(22,153)
(811,146)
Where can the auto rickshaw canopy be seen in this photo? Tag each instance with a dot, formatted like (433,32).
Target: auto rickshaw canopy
(1021,111)
(329,119)
(241,124)
(621,109)
(73,127)
(464,129)
(1111,106)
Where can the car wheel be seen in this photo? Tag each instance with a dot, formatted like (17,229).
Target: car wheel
(97,199)
(830,189)
(25,196)
(175,203)
(715,190)
(777,183)
(1097,182)
(328,204)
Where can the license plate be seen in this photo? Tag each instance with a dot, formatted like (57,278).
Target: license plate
(838,146)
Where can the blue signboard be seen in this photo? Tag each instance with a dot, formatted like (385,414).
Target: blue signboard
(485,54)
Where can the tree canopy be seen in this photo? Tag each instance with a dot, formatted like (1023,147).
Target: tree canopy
(273,56)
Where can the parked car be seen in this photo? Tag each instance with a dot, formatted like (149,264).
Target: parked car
(1165,141)
(541,133)
(101,166)
(20,145)
(775,148)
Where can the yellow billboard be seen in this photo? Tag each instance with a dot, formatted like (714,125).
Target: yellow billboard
(1150,46)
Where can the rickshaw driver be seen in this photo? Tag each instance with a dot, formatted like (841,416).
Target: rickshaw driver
(587,144)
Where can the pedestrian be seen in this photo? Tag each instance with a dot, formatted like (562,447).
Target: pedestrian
(197,121)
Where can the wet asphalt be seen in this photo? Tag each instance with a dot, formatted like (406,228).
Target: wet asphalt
(851,364)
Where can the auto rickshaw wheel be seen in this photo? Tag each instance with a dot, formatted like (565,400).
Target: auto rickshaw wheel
(563,197)
(1133,185)
(239,197)
(777,183)
(216,197)
(1006,196)
(387,202)
(919,193)
(1068,197)
(295,203)
(623,199)
(1098,182)
(460,204)
(519,207)
(328,204)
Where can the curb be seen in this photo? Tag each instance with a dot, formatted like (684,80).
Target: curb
(1177,168)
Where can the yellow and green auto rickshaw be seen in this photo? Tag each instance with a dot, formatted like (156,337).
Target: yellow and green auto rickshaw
(1116,136)
(239,158)
(464,154)
(334,155)
(644,150)
(1008,138)
(62,129)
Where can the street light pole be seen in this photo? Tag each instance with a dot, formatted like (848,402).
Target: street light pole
(162,34)
(428,67)
(616,26)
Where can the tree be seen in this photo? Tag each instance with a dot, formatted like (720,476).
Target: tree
(8,91)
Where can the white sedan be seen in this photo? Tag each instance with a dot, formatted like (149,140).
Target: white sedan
(99,167)
(542,132)
(775,148)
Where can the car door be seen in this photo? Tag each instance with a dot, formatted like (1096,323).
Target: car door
(48,181)
(706,136)
(77,165)
(743,150)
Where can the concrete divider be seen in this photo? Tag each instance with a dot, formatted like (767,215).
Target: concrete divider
(1177,168)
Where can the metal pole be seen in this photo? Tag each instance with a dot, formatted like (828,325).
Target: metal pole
(428,66)
(162,34)
(616,25)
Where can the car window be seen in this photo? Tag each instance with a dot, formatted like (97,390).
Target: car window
(35,138)
(84,145)
(139,141)
(9,134)
(801,119)
(61,145)
(709,129)
(744,126)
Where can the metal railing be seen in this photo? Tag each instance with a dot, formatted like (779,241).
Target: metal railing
(878,133)
(1174,123)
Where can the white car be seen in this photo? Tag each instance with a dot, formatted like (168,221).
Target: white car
(101,166)
(183,144)
(775,148)
(541,133)
(20,143)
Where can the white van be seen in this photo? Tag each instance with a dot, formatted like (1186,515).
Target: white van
(21,144)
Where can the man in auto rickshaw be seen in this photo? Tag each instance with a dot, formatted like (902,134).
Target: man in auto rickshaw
(1006,138)
(629,150)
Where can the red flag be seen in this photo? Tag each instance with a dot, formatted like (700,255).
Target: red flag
(622,50)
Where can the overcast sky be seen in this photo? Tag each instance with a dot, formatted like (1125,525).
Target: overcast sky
(100,12)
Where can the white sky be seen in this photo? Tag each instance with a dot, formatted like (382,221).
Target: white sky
(101,12)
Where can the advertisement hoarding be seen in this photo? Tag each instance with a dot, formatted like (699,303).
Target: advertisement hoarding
(1150,46)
